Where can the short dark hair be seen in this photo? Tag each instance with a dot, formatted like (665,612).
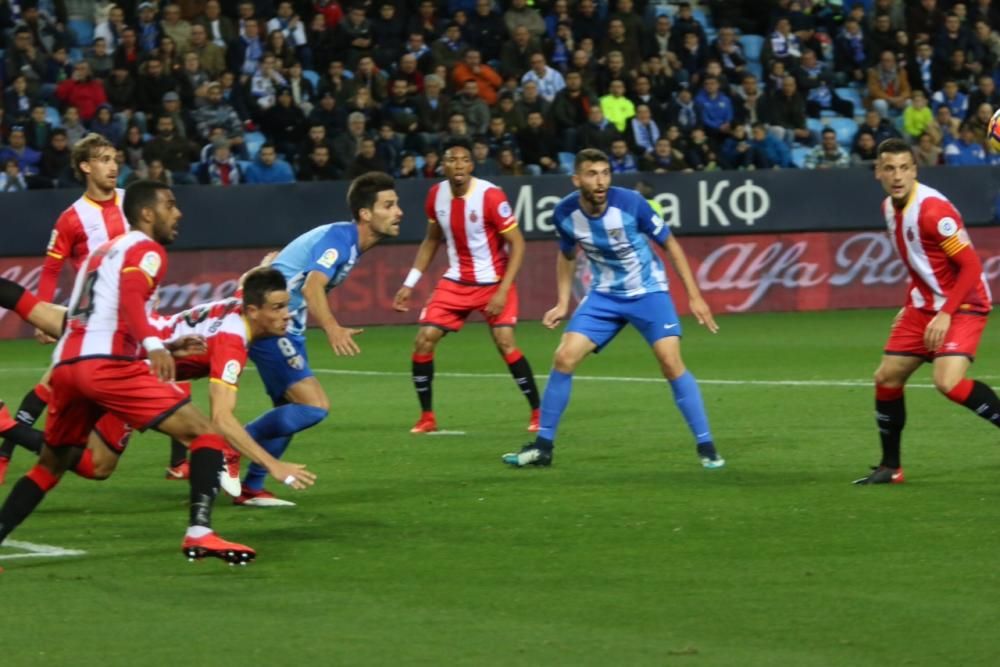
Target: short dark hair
(893,146)
(365,188)
(456,142)
(140,195)
(259,282)
(828,130)
(589,155)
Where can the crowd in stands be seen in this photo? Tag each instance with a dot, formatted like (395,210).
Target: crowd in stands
(227,92)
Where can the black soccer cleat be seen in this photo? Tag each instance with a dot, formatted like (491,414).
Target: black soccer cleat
(882,475)
(530,455)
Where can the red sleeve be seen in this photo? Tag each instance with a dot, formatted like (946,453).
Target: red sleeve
(142,269)
(60,247)
(941,224)
(227,358)
(429,203)
(970,270)
(497,210)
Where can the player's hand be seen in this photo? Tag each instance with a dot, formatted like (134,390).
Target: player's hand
(268,258)
(294,475)
(187,346)
(43,338)
(935,332)
(703,314)
(496,304)
(161,364)
(401,302)
(554,316)
(342,341)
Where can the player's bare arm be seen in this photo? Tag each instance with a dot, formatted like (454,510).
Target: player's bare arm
(186,346)
(223,401)
(516,259)
(340,338)
(699,308)
(425,254)
(565,268)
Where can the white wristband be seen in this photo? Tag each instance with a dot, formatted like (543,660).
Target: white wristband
(412,278)
(152,344)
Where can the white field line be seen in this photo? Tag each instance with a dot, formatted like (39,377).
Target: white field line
(38,550)
(590,378)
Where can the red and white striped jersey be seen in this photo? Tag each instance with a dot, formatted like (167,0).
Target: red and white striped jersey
(473,226)
(96,325)
(226,336)
(927,233)
(80,230)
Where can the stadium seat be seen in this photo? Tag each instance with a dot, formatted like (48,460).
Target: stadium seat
(752,47)
(244,165)
(827,113)
(815,125)
(663,10)
(845,128)
(756,69)
(83,32)
(799,154)
(52,117)
(420,161)
(851,94)
(253,141)
(75,54)
(312,77)
(566,161)
(703,18)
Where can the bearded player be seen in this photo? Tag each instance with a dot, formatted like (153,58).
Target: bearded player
(945,312)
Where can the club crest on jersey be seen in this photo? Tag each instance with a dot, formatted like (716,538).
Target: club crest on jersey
(617,233)
(328,258)
(297,362)
(473,218)
(231,372)
(503,210)
(150,263)
(947,227)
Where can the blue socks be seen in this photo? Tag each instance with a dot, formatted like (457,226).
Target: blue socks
(554,402)
(687,396)
(273,431)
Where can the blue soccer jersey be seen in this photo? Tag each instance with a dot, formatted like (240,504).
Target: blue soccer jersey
(616,243)
(330,249)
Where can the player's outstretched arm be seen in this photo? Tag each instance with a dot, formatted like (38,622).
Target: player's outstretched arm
(340,338)
(565,268)
(425,254)
(48,318)
(699,308)
(223,402)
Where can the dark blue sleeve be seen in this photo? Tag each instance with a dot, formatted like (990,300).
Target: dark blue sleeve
(329,253)
(649,222)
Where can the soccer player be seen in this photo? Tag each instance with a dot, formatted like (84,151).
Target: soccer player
(98,370)
(614,228)
(474,219)
(945,312)
(91,220)
(313,264)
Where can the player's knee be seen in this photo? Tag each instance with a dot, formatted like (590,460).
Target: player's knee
(945,381)
(565,360)
(672,368)
(424,344)
(885,378)
(505,347)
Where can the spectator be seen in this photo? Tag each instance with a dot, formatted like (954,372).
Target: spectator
(347,144)
(487,30)
(388,147)
(388,32)
(515,55)
(950,96)
(621,159)
(55,162)
(948,123)
(133,146)
(520,15)
(468,103)
(432,165)
(769,151)
(400,110)
(548,80)
(268,169)
(221,168)
(539,151)
(217,113)
(37,130)
(888,86)
(864,153)
(631,20)
(917,118)
(407,166)
(111,30)
(737,152)
(354,35)
(664,159)
(923,72)
(171,106)
(220,30)
(11,178)
(700,154)
(498,135)
(683,112)
(642,132)
(952,37)
(289,25)
(570,110)
(486,78)
(366,75)
(172,150)
(828,154)
(980,122)
(727,50)
(127,55)
(329,113)
(193,82)
(82,91)
(881,128)
(617,108)
(426,22)
(749,104)
(58,68)
(965,151)
(100,61)
(176,28)
(147,30)
(483,165)
(152,85)
(448,48)
(417,47)
(284,55)
(366,160)
(509,164)
(409,72)
(303,93)
(715,109)
(617,40)
(597,132)
(510,111)
(985,92)
(159,173)
(71,123)
(985,47)
(817,84)
(363,103)
(17,102)
(881,36)
(849,47)
(530,100)
(106,125)
(788,112)
(266,82)
(928,151)
(322,43)
(284,124)
(245,53)
(211,56)
(27,158)
(958,68)
(25,58)
(317,165)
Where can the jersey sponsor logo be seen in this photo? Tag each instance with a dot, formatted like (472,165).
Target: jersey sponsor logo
(53,239)
(231,372)
(947,227)
(297,362)
(504,211)
(329,258)
(150,263)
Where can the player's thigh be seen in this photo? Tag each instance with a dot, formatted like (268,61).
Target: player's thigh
(895,369)
(573,348)
(949,370)
(449,306)
(72,415)
(308,391)
(428,336)
(668,354)
(282,362)
(507,317)
(129,391)
(655,317)
(598,318)
(906,337)
(185,424)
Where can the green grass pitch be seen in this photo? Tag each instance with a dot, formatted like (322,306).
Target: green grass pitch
(418,550)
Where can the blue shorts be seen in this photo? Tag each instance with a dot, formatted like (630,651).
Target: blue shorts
(600,317)
(281,361)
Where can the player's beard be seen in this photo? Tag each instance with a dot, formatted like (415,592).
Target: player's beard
(591,197)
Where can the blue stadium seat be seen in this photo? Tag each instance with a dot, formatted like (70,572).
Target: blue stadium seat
(851,94)
(799,154)
(52,117)
(82,31)
(752,47)
(756,69)
(566,161)
(420,161)
(845,128)
(827,113)
(663,10)
(75,54)
(244,165)
(703,18)
(815,125)
(313,77)
(253,141)
(348,74)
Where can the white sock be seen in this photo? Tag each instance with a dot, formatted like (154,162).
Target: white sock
(198,531)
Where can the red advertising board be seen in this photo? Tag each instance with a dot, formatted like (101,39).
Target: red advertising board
(762,272)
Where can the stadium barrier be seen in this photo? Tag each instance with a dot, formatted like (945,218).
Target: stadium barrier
(738,273)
